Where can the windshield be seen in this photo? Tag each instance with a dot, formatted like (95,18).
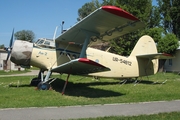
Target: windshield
(45,42)
(39,42)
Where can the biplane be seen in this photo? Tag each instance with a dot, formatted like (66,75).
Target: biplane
(70,53)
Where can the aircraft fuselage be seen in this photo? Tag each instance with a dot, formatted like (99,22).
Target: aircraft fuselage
(47,56)
(121,67)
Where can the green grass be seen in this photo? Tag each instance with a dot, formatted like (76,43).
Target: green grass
(15,92)
(160,116)
(2,72)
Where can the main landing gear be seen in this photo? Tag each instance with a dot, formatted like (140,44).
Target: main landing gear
(41,82)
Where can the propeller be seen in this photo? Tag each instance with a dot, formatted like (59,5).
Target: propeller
(10,47)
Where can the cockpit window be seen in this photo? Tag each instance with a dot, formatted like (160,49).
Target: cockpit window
(39,42)
(47,43)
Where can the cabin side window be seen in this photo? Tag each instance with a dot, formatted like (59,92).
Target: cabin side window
(47,43)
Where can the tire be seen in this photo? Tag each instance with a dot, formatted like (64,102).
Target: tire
(43,86)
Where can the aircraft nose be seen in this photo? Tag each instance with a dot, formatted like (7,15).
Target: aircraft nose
(21,53)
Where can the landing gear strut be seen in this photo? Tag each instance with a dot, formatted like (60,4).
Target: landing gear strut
(37,80)
(41,82)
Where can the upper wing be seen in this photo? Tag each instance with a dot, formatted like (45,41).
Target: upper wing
(105,23)
(80,66)
(156,56)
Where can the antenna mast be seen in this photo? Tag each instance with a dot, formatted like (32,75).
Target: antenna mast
(54,37)
(62,27)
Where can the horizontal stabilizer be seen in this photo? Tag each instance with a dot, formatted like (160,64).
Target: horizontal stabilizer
(80,66)
(156,56)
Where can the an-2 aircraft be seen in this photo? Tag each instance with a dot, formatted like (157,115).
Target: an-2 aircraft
(69,53)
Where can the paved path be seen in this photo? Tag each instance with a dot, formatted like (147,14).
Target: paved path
(70,112)
(32,73)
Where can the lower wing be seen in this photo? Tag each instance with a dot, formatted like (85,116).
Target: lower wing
(80,66)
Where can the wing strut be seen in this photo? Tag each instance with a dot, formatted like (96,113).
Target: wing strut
(65,84)
(86,42)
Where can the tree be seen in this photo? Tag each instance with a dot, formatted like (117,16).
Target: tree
(87,8)
(140,9)
(154,32)
(155,18)
(2,46)
(26,35)
(169,11)
(143,11)
(169,17)
(168,44)
(123,45)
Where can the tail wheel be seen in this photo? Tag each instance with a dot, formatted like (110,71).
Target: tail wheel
(43,86)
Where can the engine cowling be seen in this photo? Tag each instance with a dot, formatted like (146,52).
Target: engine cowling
(21,53)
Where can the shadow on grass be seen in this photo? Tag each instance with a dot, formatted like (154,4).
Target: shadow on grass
(134,81)
(21,85)
(87,89)
(84,89)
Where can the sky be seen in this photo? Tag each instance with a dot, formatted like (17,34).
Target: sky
(39,16)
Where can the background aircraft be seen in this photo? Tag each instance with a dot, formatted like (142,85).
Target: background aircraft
(70,54)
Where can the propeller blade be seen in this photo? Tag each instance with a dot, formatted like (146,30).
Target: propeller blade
(11,40)
(9,52)
(10,47)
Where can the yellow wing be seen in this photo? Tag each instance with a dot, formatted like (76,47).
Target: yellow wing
(80,66)
(105,23)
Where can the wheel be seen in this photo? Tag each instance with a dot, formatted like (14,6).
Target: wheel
(35,82)
(43,86)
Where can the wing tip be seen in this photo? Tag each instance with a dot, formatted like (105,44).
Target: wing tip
(85,60)
(119,12)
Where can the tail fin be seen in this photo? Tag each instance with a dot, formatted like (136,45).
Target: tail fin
(145,51)
(145,45)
